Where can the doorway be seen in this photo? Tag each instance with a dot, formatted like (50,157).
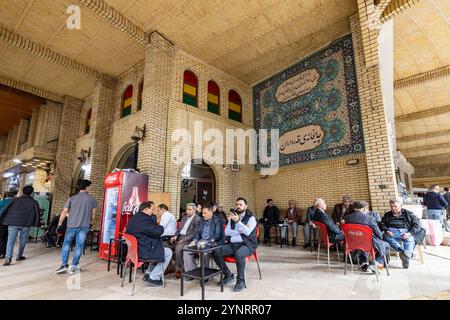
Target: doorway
(198,185)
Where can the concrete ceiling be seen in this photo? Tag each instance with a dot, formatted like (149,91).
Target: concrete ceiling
(421,44)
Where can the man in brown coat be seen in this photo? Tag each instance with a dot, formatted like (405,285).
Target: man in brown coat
(189,227)
(341,209)
(293,219)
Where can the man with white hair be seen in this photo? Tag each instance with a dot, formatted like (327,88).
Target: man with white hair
(400,226)
(334,233)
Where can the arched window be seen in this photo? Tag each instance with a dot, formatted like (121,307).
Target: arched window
(234,106)
(87,126)
(190,85)
(127,100)
(129,158)
(213,97)
(139,99)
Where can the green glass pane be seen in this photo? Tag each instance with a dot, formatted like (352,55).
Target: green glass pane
(234,115)
(214,108)
(188,99)
(126,111)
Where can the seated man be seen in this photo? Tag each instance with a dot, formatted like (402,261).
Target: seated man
(309,217)
(341,209)
(399,226)
(189,227)
(361,216)
(334,233)
(293,219)
(271,216)
(211,233)
(240,233)
(167,221)
(148,233)
(52,231)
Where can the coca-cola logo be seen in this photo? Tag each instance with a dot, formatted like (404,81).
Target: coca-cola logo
(130,209)
(111,179)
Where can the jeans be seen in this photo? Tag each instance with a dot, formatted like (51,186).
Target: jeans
(436,215)
(307,233)
(237,250)
(394,242)
(12,236)
(79,234)
(154,269)
(293,226)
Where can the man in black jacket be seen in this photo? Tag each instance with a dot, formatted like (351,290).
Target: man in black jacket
(211,233)
(271,216)
(21,214)
(240,233)
(334,233)
(148,233)
(361,216)
(400,226)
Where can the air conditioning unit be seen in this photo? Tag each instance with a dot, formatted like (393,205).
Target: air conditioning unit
(235,166)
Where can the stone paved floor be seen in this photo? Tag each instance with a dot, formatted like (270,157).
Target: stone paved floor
(288,273)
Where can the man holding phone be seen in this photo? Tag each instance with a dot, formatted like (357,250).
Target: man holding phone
(240,233)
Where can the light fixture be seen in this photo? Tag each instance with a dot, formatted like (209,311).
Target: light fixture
(16,160)
(352,162)
(8,174)
(138,134)
(84,154)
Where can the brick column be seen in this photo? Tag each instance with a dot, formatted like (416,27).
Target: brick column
(66,153)
(379,155)
(99,136)
(158,77)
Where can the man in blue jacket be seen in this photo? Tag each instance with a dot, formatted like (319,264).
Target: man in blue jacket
(436,204)
(4,229)
(145,228)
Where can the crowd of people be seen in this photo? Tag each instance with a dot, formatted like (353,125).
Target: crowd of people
(161,238)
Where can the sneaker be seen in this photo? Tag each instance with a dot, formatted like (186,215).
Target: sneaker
(405,256)
(7,262)
(20,258)
(63,269)
(74,269)
(227,279)
(146,277)
(154,283)
(240,285)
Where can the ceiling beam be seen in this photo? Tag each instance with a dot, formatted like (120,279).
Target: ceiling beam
(440,159)
(16,40)
(429,147)
(117,19)
(31,89)
(436,134)
(395,7)
(424,77)
(423,114)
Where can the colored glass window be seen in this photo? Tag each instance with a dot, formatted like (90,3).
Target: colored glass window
(127,101)
(190,86)
(213,97)
(234,106)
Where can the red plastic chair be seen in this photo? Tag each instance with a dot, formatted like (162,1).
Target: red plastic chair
(133,259)
(325,240)
(254,256)
(359,237)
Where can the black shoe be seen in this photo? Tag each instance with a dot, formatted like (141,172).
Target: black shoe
(20,258)
(364,267)
(7,262)
(2,256)
(50,246)
(404,256)
(62,269)
(294,242)
(306,245)
(266,241)
(240,285)
(145,277)
(154,283)
(227,279)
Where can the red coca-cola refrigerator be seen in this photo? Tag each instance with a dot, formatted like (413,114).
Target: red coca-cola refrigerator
(125,190)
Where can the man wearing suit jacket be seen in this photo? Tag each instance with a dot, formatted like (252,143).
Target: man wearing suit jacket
(341,209)
(189,227)
(293,219)
(211,232)
(334,233)
(361,216)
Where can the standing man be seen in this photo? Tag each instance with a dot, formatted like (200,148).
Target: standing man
(240,233)
(293,219)
(341,209)
(4,229)
(19,215)
(79,210)
(189,227)
(400,226)
(271,216)
(436,204)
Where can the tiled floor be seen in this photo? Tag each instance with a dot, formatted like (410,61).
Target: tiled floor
(288,273)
